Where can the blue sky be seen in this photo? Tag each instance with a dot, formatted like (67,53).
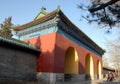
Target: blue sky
(23,11)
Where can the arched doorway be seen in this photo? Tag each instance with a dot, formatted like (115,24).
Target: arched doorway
(99,70)
(89,67)
(71,63)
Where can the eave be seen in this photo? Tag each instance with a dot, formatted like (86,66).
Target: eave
(40,20)
(85,39)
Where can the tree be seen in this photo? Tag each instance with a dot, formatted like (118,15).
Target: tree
(104,12)
(105,61)
(6,26)
(114,54)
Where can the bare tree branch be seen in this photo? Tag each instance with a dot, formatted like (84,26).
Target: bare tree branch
(102,6)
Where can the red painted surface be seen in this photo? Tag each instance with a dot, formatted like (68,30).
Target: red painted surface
(45,61)
(61,46)
(53,47)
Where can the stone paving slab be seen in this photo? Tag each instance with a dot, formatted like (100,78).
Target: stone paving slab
(103,81)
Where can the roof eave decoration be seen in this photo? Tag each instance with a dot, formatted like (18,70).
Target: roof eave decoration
(48,16)
(40,20)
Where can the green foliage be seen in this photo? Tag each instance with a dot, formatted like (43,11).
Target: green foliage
(6,26)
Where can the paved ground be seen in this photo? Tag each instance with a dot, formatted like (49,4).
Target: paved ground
(103,81)
(100,82)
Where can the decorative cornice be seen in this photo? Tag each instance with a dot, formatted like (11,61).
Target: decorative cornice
(41,26)
(49,16)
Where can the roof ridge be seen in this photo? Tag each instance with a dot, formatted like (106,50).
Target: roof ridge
(34,22)
(43,11)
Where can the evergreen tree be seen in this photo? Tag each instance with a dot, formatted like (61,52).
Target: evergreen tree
(6,26)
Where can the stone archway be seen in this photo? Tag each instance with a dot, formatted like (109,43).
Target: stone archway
(99,70)
(71,63)
(89,67)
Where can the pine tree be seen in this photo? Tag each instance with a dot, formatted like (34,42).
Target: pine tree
(6,26)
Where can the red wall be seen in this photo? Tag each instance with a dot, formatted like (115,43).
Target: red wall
(53,47)
(46,43)
(61,46)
